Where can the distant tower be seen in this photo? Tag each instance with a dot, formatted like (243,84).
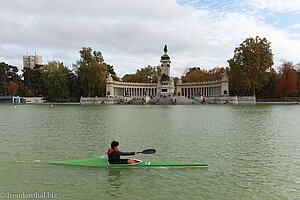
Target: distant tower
(29,61)
(165,84)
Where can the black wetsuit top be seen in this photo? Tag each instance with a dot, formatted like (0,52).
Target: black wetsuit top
(114,156)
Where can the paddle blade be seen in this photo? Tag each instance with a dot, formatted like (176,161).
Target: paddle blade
(148,151)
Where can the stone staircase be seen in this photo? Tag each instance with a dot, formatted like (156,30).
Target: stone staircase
(161,100)
(136,101)
(184,100)
(164,100)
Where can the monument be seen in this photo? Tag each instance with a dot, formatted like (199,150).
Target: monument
(165,86)
(164,91)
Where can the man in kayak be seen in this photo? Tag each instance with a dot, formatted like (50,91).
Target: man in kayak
(114,155)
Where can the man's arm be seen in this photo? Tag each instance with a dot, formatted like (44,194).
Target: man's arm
(127,153)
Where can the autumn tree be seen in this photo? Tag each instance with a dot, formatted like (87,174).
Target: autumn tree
(133,78)
(149,74)
(297,66)
(287,79)
(8,73)
(91,71)
(12,88)
(195,74)
(250,66)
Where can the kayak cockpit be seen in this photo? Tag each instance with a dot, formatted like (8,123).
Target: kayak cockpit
(137,162)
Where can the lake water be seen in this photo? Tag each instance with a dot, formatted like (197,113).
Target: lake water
(253,151)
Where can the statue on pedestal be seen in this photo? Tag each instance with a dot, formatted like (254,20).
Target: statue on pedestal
(166,49)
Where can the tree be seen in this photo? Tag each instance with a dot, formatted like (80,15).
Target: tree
(23,91)
(287,79)
(149,74)
(91,72)
(269,90)
(195,74)
(12,88)
(3,79)
(7,73)
(133,78)
(34,81)
(250,66)
(56,81)
(110,70)
(297,66)
(74,86)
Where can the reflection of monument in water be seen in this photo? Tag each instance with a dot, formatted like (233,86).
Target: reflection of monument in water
(165,91)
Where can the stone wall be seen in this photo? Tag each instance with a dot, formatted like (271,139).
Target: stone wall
(98,100)
(170,100)
(229,100)
(247,100)
(32,100)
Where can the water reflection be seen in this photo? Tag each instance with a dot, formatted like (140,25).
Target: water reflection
(115,181)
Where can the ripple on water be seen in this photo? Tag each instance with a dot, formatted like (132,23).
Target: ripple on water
(252,151)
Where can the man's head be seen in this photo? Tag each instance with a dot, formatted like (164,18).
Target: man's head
(114,144)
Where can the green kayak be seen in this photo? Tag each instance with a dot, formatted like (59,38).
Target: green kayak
(102,162)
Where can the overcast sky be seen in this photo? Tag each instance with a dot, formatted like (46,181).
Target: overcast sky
(132,33)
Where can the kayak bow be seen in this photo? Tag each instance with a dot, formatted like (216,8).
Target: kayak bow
(102,162)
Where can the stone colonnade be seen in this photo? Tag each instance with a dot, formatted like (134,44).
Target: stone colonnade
(200,91)
(208,89)
(134,91)
(122,89)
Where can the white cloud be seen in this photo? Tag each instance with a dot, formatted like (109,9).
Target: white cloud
(131,34)
(276,5)
(295,26)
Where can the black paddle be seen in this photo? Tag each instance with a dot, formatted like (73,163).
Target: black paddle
(148,151)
